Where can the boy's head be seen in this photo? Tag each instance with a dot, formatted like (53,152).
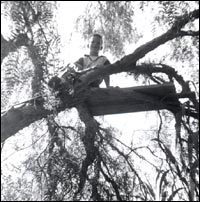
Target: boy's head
(96,44)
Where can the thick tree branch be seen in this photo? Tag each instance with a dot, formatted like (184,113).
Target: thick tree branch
(19,118)
(99,101)
(184,19)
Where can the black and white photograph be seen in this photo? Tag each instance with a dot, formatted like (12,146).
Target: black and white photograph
(99,100)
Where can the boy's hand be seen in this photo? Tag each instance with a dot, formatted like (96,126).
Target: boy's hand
(113,87)
(55,83)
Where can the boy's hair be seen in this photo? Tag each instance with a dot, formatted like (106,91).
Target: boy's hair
(98,36)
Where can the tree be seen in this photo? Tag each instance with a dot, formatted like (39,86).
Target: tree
(91,172)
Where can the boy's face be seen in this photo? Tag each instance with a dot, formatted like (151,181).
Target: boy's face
(95,45)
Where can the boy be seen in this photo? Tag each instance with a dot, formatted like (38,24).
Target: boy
(93,59)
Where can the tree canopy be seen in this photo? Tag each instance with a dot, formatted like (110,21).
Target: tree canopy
(84,159)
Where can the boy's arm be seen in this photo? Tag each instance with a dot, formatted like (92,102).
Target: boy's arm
(107,81)
(79,64)
(107,78)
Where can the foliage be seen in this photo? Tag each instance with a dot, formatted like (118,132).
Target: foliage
(34,60)
(21,190)
(16,75)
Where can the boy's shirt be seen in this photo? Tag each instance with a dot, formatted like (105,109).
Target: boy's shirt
(91,61)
